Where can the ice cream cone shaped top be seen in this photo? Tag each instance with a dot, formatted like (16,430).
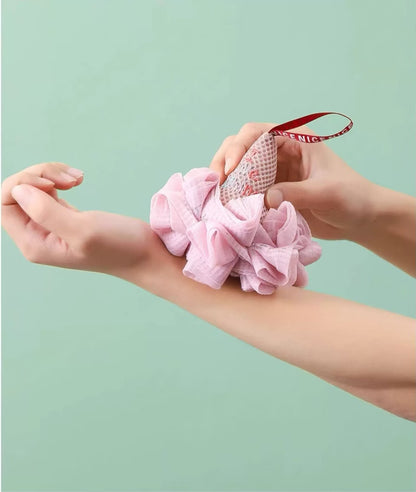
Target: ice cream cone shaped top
(255,173)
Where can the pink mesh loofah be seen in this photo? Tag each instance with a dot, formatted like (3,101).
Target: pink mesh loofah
(227,230)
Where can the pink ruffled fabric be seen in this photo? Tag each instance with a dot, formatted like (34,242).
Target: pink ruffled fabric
(266,249)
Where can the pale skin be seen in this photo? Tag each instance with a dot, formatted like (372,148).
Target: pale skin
(367,352)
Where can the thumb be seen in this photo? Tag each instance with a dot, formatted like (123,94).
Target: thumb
(43,209)
(302,194)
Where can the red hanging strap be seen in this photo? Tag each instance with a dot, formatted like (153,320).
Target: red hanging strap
(302,137)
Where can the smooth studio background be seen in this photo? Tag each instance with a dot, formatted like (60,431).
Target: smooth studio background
(108,388)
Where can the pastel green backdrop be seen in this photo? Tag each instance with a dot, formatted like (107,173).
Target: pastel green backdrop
(108,388)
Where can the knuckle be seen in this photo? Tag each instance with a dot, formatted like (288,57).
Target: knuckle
(35,168)
(248,127)
(228,140)
(43,167)
(48,168)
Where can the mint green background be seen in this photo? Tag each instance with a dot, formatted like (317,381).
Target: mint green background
(108,388)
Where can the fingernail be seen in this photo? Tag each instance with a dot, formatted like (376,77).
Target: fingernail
(76,173)
(274,198)
(67,177)
(22,194)
(228,165)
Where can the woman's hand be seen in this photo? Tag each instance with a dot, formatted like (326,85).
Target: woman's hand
(50,231)
(334,199)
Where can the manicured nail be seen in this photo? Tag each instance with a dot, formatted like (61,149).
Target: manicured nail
(22,195)
(228,165)
(76,173)
(67,177)
(274,198)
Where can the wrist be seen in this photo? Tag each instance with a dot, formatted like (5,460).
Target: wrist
(390,217)
(156,273)
(373,214)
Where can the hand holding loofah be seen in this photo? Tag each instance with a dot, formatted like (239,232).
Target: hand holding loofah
(227,230)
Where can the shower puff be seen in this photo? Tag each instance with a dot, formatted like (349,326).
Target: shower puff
(223,236)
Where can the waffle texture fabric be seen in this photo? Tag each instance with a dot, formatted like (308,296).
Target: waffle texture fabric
(227,230)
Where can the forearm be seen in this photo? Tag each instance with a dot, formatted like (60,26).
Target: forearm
(391,232)
(363,350)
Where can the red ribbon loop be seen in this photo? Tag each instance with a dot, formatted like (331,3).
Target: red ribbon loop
(302,137)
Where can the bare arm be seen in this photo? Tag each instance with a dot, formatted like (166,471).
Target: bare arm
(366,351)
(391,232)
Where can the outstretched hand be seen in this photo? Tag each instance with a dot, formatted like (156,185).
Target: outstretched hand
(50,231)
